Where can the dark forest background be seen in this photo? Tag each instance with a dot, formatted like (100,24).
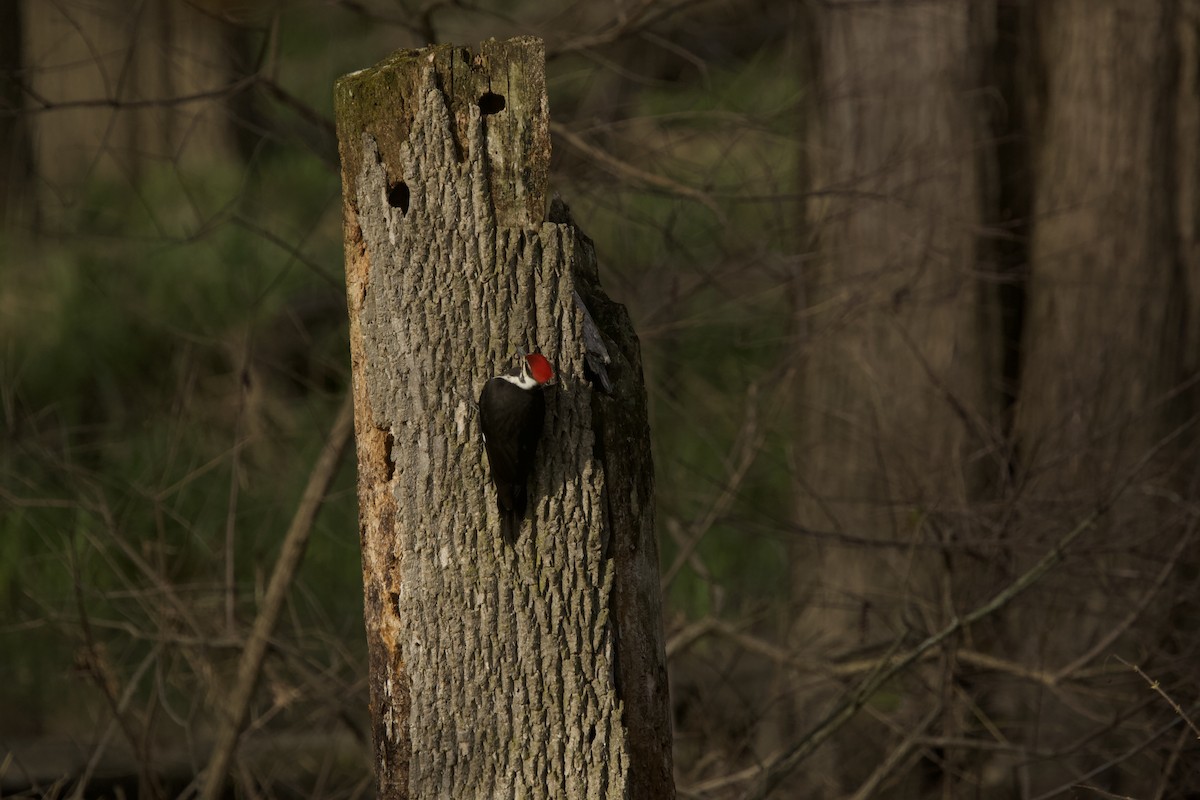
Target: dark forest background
(918,288)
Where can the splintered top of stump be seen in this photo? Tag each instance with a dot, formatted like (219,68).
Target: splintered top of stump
(505,81)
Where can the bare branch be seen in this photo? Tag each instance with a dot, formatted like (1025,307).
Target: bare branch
(774,773)
(290,556)
(747,447)
(623,169)
(1157,687)
(897,755)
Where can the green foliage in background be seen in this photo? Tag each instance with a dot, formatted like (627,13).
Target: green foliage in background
(174,349)
(169,372)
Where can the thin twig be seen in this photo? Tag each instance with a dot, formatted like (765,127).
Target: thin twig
(235,480)
(748,447)
(100,672)
(1169,768)
(776,772)
(1157,687)
(683,541)
(1107,765)
(720,782)
(684,638)
(623,169)
(1119,629)
(98,751)
(896,756)
(858,666)
(632,21)
(44,104)
(290,556)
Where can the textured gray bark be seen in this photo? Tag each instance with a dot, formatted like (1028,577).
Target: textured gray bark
(495,671)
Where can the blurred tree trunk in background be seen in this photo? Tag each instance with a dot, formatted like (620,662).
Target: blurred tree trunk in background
(126,85)
(1104,264)
(895,413)
(920,497)
(1103,354)
(15,172)
(1186,177)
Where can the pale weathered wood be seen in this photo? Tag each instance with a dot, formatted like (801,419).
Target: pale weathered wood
(528,671)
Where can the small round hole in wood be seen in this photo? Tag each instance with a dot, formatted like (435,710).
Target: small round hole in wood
(490,103)
(397,196)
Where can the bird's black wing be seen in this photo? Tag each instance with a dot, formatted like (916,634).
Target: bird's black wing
(507,439)
(531,429)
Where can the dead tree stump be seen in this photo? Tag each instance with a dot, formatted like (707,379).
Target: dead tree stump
(529,671)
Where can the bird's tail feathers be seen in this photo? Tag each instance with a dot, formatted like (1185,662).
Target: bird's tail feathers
(512,513)
(510,526)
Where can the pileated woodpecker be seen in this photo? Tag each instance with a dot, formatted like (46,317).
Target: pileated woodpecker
(511,412)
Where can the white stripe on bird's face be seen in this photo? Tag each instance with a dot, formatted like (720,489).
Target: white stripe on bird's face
(522,379)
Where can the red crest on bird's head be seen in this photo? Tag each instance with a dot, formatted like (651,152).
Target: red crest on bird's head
(539,368)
